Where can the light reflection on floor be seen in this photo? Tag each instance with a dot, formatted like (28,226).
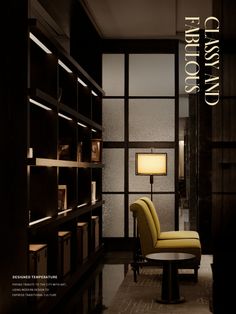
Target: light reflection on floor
(113,275)
(95,293)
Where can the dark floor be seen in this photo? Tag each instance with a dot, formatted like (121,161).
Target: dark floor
(97,289)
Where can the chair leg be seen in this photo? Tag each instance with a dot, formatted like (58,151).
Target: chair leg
(196,274)
(135,274)
(135,269)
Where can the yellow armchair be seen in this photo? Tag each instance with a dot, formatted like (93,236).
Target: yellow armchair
(183,234)
(152,240)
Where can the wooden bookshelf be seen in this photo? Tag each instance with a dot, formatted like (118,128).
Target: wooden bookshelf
(64,117)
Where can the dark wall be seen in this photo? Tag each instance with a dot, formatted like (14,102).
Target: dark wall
(85,45)
(13,171)
(200,159)
(204,137)
(60,10)
(224,166)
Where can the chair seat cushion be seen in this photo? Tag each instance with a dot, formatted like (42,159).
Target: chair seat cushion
(192,246)
(178,235)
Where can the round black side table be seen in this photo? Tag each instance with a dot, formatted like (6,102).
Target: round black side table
(170,282)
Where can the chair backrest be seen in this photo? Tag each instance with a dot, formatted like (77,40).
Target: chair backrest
(146,227)
(153,212)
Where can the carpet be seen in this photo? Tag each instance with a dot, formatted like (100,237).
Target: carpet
(135,298)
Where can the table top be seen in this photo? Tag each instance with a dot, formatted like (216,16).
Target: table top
(169,256)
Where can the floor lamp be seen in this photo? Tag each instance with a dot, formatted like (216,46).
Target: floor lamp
(152,164)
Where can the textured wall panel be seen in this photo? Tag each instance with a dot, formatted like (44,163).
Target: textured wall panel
(113,172)
(151,119)
(113,74)
(113,119)
(151,75)
(113,215)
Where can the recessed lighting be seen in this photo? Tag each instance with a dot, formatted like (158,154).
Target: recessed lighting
(81,205)
(81,82)
(65,67)
(94,93)
(63,116)
(65,211)
(39,220)
(81,124)
(39,43)
(39,104)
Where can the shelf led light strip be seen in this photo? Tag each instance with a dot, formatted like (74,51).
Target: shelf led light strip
(39,43)
(65,67)
(63,116)
(39,104)
(93,130)
(81,205)
(65,211)
(81,124)
(94,94)
(39,220)
(81,82)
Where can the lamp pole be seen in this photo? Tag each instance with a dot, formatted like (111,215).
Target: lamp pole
(151,182)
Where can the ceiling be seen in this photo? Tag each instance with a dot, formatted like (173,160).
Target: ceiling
(144,19)
(136,19)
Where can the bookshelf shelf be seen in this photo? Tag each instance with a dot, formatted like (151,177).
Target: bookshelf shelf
(46,162)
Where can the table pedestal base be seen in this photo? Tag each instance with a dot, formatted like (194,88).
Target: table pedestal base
(170,280)
(180,300)
(170,284)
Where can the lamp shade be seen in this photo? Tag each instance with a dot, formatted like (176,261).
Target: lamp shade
(151,164)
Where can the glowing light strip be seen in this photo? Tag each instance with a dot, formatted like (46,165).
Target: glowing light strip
(81,205)
(63,116)
(64,66)
(93,130)
(81,124)
(39,43)
(94,93)
(39,104)
(39,220)
(81,82)
(65,211)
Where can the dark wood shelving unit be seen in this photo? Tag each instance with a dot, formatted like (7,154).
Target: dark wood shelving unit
(32,168)
(64,117)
